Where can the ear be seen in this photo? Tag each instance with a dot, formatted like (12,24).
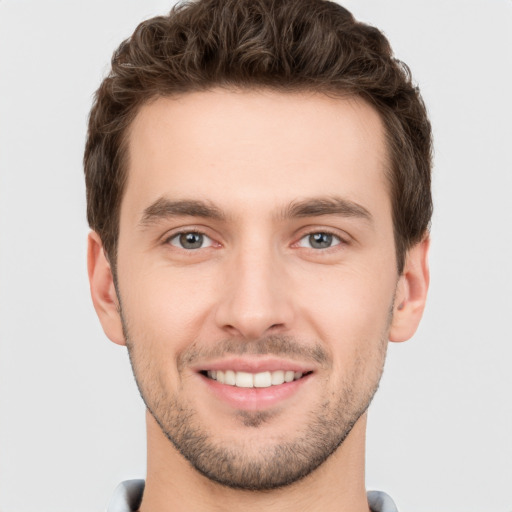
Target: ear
(103,292)
(411,293)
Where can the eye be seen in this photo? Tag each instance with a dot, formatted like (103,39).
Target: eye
(190,240)
(320,240)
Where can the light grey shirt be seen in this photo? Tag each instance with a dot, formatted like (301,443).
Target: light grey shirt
(128,495)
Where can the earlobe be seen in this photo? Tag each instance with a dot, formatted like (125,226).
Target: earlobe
(411,293)
(103,292)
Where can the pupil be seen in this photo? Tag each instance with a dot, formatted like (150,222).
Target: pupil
(320,240)
(191,240)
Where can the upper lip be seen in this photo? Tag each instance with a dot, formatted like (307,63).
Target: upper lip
(254,365)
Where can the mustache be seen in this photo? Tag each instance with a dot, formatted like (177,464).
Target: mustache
(275,345)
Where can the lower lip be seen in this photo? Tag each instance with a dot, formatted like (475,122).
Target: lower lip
(251,399)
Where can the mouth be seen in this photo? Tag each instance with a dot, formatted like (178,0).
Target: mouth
(266,379)
(256,390)
(255,383)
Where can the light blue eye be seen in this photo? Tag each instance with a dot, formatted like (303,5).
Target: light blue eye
(319,240)
(190,240)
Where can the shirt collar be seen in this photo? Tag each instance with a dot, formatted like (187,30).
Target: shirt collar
(128,496)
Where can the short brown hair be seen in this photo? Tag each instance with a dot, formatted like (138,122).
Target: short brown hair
(283,45)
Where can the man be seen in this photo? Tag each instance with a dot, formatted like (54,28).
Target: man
(258,186)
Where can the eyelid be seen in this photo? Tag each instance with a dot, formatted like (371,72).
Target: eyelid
(207,241)
(343,238)
(174,233)
(339,240)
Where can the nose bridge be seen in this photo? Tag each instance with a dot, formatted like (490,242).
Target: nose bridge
(254,299)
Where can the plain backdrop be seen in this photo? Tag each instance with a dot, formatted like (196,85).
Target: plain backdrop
(71,419)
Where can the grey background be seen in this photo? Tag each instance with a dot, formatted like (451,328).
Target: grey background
(71,420)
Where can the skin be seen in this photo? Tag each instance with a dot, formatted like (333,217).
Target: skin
(251,155)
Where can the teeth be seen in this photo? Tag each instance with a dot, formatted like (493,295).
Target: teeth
(244,380)
(230,377)
(254,380)
(262,380)
(277,377)
(289,376)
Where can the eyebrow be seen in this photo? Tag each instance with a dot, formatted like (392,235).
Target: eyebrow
(164,208)
(326,206)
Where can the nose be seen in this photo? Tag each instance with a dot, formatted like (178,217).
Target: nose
(255,298)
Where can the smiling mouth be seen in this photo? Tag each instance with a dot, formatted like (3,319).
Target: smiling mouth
(254,380)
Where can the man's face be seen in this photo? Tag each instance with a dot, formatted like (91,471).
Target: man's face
(256,246)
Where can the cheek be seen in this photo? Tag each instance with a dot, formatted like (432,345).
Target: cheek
(349,310)
(163,317)
(165,308)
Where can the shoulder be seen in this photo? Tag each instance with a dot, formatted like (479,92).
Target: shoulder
(380,502)
(127,496)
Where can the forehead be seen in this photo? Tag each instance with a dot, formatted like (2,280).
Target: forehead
(258,148)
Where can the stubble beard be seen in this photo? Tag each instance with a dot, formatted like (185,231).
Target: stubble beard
(278,463)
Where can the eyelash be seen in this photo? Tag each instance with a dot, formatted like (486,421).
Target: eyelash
(169,239)
(339,239)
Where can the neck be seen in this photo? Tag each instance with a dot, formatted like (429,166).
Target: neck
(172,484)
